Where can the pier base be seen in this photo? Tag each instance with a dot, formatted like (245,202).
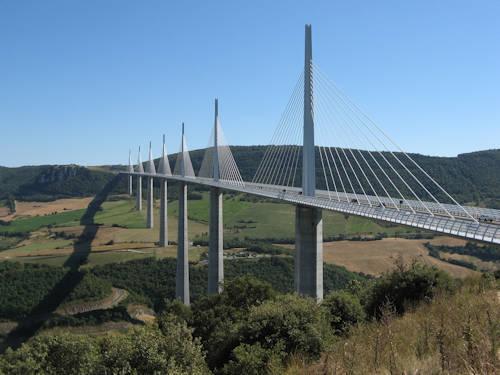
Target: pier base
(309,252)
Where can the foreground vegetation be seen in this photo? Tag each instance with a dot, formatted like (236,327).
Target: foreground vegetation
(166,348)
(413,319)
(452,334)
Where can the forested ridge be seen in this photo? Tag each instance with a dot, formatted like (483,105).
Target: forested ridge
(472,178)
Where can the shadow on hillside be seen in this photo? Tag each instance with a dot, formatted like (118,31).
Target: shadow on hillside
(81,250)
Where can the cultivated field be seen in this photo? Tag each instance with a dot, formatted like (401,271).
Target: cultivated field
(376,257)
(24,209)
(121,235)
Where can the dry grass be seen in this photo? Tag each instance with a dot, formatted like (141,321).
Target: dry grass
(377,257)
(4,211)
(142,313)
(24,209)
(452,335)
(95,330)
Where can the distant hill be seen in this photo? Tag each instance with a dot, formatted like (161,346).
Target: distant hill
(472,178)
(49,182)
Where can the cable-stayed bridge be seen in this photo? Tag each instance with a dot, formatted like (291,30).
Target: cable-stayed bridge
(325,154)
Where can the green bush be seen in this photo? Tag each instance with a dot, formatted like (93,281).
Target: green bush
(90,288)
(406,286)
(344,310)
(277,329)
(216,318)
(143,350)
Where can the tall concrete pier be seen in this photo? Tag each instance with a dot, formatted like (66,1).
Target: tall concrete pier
(150,201)
(216,239)
(164,169)
(308,220)
(138,197)
(150,168)
(182,272)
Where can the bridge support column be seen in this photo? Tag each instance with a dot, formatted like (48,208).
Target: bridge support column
(138,196)
(150,220)
(309,252)
(130,192)
(163,214)
(216,241)
(182,274)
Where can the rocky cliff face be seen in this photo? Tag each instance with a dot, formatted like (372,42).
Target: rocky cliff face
(57,173)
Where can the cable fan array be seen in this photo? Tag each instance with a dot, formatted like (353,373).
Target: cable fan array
(218,161)
(183,165)
(354,159)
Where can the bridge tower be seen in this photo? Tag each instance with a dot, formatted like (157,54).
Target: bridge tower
(140,169)
(182,272)
(150,168)
(308,220)
(130,170)
(164,169)
(215,247)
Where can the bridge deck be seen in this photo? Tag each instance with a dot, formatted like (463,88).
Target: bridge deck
(411,213)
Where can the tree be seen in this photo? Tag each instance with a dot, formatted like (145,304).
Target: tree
(278,328)
(407,285)
(53,354)
(216,318)
(344,310)
(142,350)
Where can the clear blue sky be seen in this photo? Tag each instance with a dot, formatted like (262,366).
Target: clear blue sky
(83,81)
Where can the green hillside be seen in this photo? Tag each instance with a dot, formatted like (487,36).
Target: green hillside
(471,178)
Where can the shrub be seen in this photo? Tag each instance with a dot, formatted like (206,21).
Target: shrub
(143,350)
(406,286)
(275,330)
(344,310)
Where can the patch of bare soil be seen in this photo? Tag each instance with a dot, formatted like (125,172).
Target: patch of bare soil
(116,296)
(142,313)
(46,208)
(6,327)
(4,211)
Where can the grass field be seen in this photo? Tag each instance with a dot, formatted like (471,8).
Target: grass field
(254,220)
(30,224)
(8,242)
(122,235)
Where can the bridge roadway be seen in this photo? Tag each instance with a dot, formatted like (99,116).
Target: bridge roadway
(411,213)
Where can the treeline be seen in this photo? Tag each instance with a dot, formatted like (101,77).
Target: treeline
(152,281)
(250,328)
(487,253)
(23,287)
(149,281)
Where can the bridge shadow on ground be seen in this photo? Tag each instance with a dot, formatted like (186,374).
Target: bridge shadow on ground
(28,327)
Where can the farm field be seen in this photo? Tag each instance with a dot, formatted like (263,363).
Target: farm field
(121,235)
(253,220)
(377,257)
(45,208)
